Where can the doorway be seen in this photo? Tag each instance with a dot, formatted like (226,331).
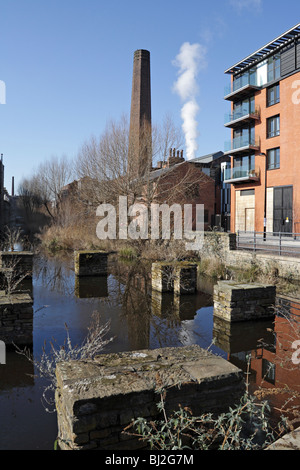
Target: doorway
(283,209)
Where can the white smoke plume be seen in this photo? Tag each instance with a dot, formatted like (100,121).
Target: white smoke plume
(190,60)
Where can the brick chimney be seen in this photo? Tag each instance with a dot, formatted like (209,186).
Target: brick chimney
(175,157)
(140,140)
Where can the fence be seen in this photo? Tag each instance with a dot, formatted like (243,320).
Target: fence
(279,243)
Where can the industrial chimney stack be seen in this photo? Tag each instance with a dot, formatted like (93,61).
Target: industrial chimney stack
(140,137)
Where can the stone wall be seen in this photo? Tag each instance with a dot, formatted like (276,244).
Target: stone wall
(223,246)
(237,302)
(162,277)
(90,263)
(179,277)
(16,319)
(96,400)
(218,244)
(20,261)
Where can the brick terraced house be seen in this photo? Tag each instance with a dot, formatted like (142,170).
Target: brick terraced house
(265,137)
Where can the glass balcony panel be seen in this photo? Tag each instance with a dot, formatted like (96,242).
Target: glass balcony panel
(241,173)
(243,141)
(241,112)
(241,82)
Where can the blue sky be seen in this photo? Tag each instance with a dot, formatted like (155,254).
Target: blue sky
(67,66)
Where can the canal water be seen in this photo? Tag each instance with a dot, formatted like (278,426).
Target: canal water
(139,319)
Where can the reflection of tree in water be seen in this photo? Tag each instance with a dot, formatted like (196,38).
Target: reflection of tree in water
(132,294)
(154,319)
(55,274)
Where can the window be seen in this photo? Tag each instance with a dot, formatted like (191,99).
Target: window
(244,165)
(268,371)
(247,192)
(274,67)
(273,158)
(243,136)
(242,108)
(273,126)
(247,78)
(273,95)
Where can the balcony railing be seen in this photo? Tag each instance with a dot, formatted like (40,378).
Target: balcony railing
(244,82)
(235,118)
(241,174)
(241,144)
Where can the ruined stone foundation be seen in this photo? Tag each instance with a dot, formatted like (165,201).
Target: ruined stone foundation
(97,400)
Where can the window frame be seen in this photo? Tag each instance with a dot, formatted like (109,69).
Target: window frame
(274,63)
(249,159)
(276,159)
(277,96)
(276,131)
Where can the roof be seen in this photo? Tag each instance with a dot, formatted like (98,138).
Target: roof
(203,159)
(273,46)
(207,158)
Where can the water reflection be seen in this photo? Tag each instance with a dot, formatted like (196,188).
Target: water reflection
(140,318)
(243,336)
(91,287)
(268,347)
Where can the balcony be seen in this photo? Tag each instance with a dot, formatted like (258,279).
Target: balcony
(241,87)
(241,175)
(242,117)
(242,144)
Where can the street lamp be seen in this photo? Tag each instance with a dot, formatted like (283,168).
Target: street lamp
(265,196)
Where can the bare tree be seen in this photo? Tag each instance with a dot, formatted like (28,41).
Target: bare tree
(45,186)
(164,137)
(104,163)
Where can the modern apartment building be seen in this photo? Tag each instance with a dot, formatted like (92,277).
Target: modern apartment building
(265,137)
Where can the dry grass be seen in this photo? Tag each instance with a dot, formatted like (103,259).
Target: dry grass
(79,237)
(214,268)
(83,237)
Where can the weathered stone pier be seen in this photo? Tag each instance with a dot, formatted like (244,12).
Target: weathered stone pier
(179,277)
(16,319)
(90,263)
(21,262)
(234,301)
(96,400)
(16,307)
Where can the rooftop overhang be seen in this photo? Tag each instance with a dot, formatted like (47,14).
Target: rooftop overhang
(265,51)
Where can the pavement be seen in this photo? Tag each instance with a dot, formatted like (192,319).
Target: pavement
(290,441)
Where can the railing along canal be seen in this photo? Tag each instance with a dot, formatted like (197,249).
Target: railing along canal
(280,243)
